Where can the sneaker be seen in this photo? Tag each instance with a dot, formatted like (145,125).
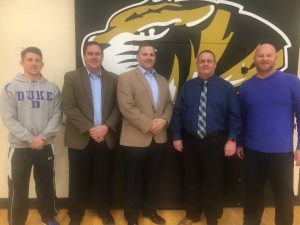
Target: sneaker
(49,222)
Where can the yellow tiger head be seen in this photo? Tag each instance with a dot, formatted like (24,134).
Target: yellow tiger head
(180,30)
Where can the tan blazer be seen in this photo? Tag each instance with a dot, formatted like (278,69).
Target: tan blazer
(78,107)
(137,107)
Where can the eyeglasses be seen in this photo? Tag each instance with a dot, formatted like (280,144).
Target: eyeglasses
(206,61)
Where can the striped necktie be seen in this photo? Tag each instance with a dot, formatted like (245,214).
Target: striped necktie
(202,112)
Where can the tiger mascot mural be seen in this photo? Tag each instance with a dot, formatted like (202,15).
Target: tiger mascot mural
(179,29)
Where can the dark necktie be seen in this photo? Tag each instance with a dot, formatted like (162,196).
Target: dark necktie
(202,112)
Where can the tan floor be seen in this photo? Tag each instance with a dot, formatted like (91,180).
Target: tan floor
(232,216)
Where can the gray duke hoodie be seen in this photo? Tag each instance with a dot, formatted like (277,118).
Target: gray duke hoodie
(29,109)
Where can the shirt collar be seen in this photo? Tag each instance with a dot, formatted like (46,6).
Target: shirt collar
(146,72)
(92,75)
(209,80)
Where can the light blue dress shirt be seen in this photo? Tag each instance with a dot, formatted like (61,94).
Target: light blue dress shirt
(95,81)
(151,79)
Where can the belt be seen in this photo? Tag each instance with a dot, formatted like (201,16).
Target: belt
(214,134)
(209,135)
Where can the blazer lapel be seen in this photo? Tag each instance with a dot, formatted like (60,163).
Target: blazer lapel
(104,88)
(87,85)
(160,87)
(142,78)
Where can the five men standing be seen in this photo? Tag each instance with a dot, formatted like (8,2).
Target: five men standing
(206,122)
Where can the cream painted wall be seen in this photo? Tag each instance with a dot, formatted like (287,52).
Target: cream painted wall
(49,25)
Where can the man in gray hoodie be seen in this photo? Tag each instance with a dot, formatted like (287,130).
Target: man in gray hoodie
(31,111)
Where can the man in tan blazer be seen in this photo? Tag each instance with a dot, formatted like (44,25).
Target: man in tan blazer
(90,105)
(145,102)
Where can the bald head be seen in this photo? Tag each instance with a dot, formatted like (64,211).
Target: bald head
(265,48)
(265,59)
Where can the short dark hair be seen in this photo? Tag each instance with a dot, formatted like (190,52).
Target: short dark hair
(34,50)
(206,51)
(89,43)
(144,44)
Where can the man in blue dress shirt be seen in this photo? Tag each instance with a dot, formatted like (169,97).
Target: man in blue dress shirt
(92,116)
(206,121)
(145,103)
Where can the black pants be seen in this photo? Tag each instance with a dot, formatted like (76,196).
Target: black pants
(204,176)
(21,161)
(142,172)
(278,169)
(89,178)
